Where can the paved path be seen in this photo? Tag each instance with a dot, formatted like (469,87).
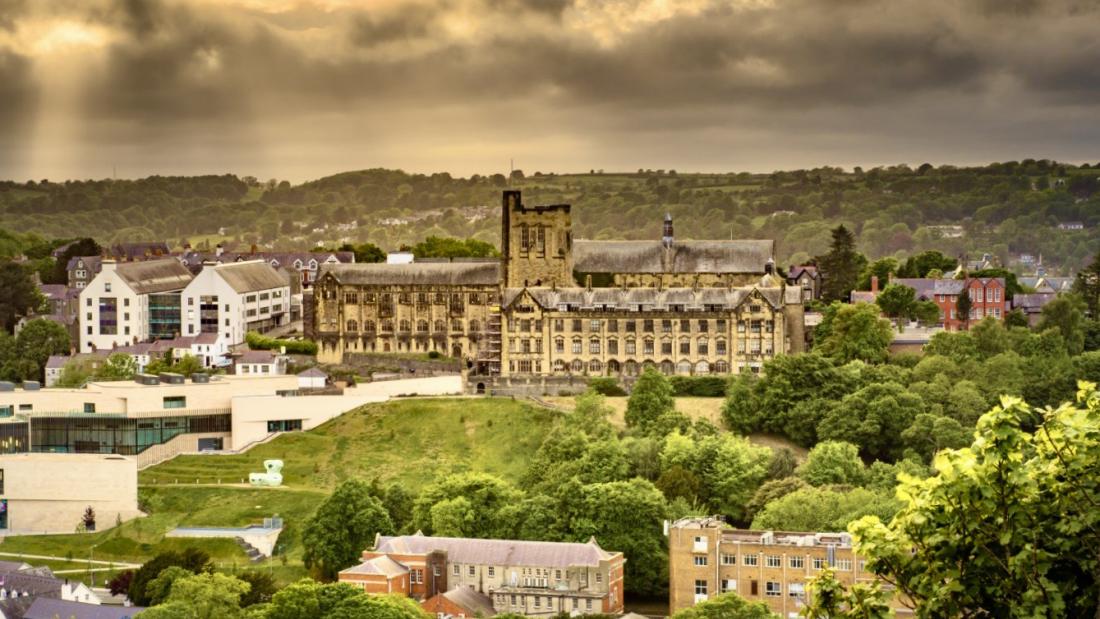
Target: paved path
(74,559)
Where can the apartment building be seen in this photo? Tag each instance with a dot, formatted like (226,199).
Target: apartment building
(231,299)
(131,302)
(523,577)
(988,298)
(707,557)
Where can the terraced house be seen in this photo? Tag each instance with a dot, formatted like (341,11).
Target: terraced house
(555,306)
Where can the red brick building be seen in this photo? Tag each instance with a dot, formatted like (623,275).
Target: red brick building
(524,577)
(987,298)
(459,603)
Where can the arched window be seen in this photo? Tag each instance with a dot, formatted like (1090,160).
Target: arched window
(368,325)
(440,326)
(440,299)
(578,366)
(721,367)
(456,325)
(595,367)
(702,367)
(422,326)
(405,326)
(387,325)
(475,326)
(613,367)
(702,346)
(559,365)
(353,326)
(630,368)
(666,367)
(594,346)
(683,367)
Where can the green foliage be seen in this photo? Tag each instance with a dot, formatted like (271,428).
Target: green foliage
(440,247)
(824,509)
(191,559)
(873,418)
(18,294)
(119,366)
(1009,526)
(261,587)
(925,262)
(344,524)
(729,467)
(24,357)
(606,385)
(256,341)
(897,301)
(1066,313)
(841,266)
(772,490)
(857,332)
(201,596)
(828,599)
(651,398)
(929,433)
(726,606)
(700,386)
(832,462)
(465,505)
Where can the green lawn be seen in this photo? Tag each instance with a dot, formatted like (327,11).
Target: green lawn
(410,441)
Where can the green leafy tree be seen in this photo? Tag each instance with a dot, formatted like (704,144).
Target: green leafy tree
(261,587)
(18,294)
(160,587)
(857,332)
(962,307)
(770,491)
(201,596)
(832,462)
(726,606)
(478,498)
(926,312)
(1086,284)
(37,340)
(824,509)
(829,599)
(651,398)
(1066,313)
(344,525)
(929,433)
(119,366)
(1015,318)
(1009,526)
(924,263)
(441,247)
(841,266)
(191,559)
(897,301)
(74,374)
(873,418)
(882,268)
(365,252)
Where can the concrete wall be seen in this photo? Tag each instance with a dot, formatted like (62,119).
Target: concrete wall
(48,493)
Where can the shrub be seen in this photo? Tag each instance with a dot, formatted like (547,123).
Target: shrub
(434,354)
(606,385)
(700,386)
(299,347)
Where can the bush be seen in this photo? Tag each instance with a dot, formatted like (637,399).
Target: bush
(434,354)
(256,341)
(700,386)
(606,385)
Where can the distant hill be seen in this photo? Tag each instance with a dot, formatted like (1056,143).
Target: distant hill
(1004,209)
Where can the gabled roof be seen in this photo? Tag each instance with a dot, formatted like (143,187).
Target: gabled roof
(645,298)
(251,276)
(476,604)
(91,263)
(378,566)
(257,356)
(1031,303)
(54,362)
(313,373)
(744,256)
(499,551)
(417,273)
(153,276)
(50,608)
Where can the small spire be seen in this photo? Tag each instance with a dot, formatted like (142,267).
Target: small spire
(667,236)
(588,282)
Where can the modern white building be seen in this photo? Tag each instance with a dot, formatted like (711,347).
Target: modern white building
(232,299)
(131,302)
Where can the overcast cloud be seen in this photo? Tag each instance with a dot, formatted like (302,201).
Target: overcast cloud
(297,90)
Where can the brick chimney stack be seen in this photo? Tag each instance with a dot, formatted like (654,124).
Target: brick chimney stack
(874,284)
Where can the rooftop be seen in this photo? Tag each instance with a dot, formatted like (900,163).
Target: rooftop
(741,256)
(417,273)
(498,552)
(767,538)
(49,608)
(251,276)
(153,276)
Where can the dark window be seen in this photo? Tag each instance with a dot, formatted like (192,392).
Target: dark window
(175,401)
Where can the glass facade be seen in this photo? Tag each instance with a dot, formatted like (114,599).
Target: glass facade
(164,316)
(108,315)
(115,434)
(208,314)
(13,437)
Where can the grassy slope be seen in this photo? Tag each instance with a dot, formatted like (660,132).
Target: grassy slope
(408,441)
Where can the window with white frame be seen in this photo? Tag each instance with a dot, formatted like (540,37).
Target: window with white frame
(773,589)
(749,560)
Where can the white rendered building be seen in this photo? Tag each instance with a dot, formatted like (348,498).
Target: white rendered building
(131,302)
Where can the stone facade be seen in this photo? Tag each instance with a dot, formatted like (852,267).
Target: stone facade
(682,307)
(707,558)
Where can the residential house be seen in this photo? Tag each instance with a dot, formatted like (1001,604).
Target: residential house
(866,296)
(50,608)
(1032,305)
(231,299)
(82,270)
(808,277)
(306,265)
(523,577)
(459,603)
(130,302)
(707,557)
(312,378)
(55,364)
(987,297)
(252,362)
(130,252)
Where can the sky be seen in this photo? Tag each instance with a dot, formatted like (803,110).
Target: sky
(297,90)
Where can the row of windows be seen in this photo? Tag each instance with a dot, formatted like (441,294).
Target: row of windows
(793,562)
(536,601)
(595,345)
(422,326)
(627,368)
(771,588)
(422,298)
(596,325)
(976,313)
(978,295)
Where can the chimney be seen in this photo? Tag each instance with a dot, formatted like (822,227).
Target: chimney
(667,236)
(874,283)
(769,266)
(107,264)
(253,249)
(218,249)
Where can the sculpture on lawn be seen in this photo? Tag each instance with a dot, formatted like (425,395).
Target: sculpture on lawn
(273,476)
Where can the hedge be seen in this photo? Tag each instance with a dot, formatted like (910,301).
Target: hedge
(700,386)
(256,341)
(606,386)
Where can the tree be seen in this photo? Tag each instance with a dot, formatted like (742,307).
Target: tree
(365,252)
(1086,284)
(841,266)
(119,366)
(770,491)
(58,273)
(1010,525)
(857,332)
(261,587)
(726,606)
(931,433)
(344,525)
(1066,313)
(651,398)
(873,418)
(829,599)
(1015,318)
(160,587)
(963,305)
(478,497)
(191,559)
(897,301)
(882,268)
(925,262)
(37,340)
(832,462)
(18,294)
(829,508)
(309,599)
(439,247)
(201,596)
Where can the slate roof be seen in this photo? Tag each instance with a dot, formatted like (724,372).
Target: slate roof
(498,551)
(275,259)
(796,271)
(926,287)
(1031,303)
(378,566)
(55,362)
(50,608)
(648,299)
(257,356)
(742,256)
(417,273)
(478,604)
(251,276)
(91,263)
(313,373)
(153,276)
